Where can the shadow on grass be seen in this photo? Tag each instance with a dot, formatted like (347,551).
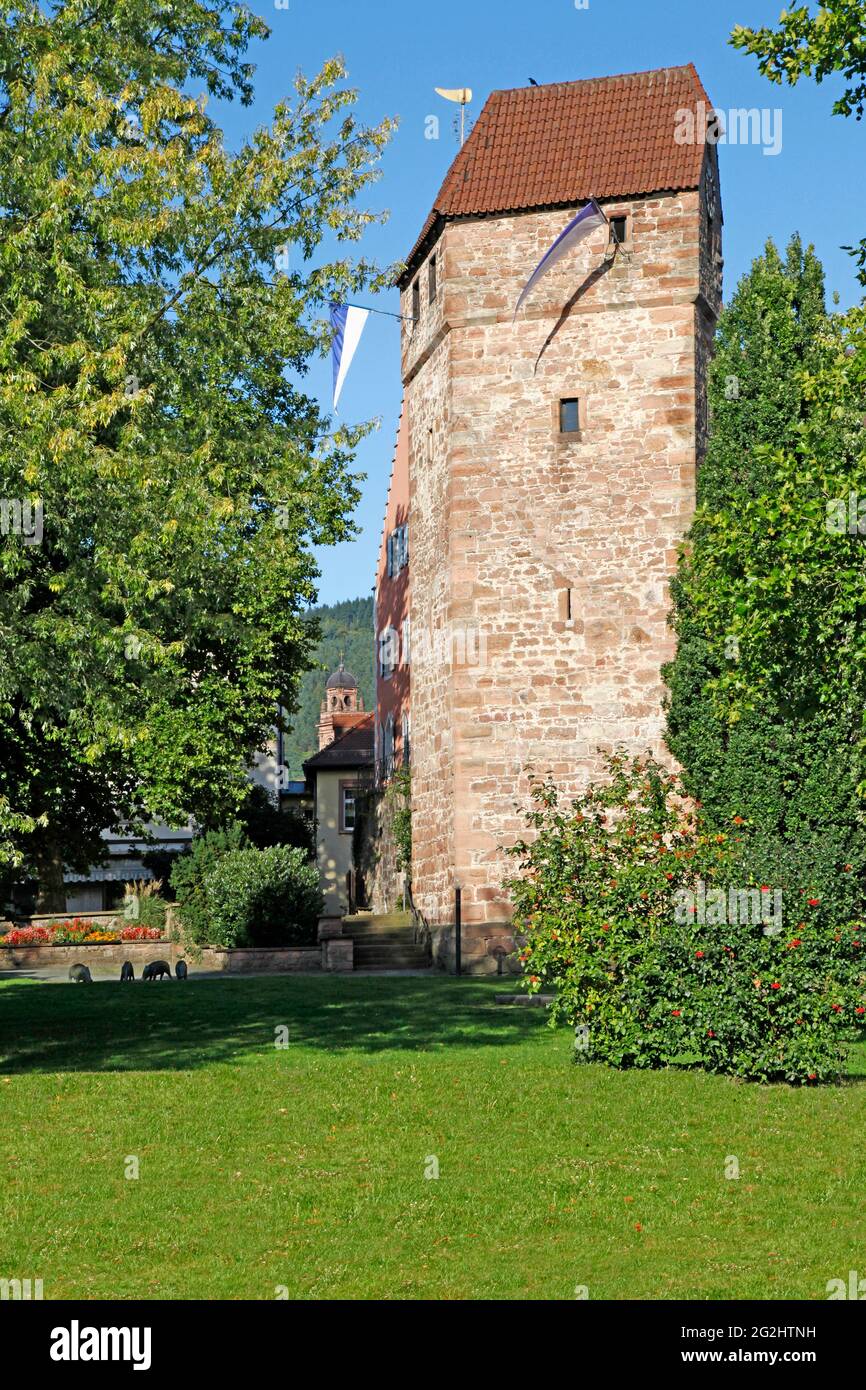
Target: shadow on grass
(182,1027)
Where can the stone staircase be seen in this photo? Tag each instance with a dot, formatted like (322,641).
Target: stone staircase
(385,941)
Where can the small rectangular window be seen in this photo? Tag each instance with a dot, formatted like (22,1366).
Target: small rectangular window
(618,228)
(416,301)
(569,416)
(407,645)
(347,809)
(431,280)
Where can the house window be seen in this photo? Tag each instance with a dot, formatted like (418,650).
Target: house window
(569,415)
(416,301)
(398,550)
(388,745)
(431,280)
(406,740)
(348,807)
(618,229)
(388,644)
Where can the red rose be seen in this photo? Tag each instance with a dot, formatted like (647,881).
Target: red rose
(813,902)
(699,954)
(775,985)
(675,1013)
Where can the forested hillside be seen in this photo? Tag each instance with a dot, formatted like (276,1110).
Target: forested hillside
(346,628)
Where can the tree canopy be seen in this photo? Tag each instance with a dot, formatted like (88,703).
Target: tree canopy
(766,691)
(159,307)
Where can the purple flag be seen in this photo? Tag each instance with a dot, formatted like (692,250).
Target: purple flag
(580,226)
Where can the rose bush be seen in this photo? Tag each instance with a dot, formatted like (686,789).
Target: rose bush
(602,896)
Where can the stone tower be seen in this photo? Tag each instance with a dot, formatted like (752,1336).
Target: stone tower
(552,458)
(342,706)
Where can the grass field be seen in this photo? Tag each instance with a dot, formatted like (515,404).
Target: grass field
(304,1167)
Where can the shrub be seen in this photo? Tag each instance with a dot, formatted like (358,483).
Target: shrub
(399,794)
(625,901)
(268,897)
(144,905)
(188,876)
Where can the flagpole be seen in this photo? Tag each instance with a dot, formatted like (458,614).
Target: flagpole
(386,313)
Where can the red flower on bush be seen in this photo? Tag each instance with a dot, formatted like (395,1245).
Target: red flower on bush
(860,1010)
(837,1008)
(775,985)
(813,902)
(699,955)
(675,1013)
(792,945)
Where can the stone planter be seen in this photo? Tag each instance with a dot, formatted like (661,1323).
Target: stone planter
(96,954)
(101,956)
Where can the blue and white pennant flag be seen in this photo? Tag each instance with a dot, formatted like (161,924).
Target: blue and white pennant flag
(348,323)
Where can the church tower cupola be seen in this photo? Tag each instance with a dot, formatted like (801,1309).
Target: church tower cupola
(342,705)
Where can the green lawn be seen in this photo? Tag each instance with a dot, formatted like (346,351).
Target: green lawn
(304,1167)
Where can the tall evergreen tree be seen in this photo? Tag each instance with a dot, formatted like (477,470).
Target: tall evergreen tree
(780,769)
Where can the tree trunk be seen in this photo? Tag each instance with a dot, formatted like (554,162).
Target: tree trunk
(52,889)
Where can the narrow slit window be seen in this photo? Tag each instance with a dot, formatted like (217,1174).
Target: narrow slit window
(431,280)
(569,415)
(416,301)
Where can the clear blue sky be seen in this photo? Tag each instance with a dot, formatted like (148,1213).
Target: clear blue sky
(398,52)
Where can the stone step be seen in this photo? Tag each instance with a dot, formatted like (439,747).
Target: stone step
(405,948)
(367,959)
(398,938)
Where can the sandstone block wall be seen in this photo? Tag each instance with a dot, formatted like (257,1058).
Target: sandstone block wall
(542,560)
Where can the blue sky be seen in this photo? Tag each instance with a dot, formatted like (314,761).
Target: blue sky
(398,52)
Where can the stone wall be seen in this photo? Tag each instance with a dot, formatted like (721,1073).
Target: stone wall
(279,960)
(99,955)
(540,562)
(481,948)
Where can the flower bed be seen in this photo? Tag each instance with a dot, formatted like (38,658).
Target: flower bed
(75,932)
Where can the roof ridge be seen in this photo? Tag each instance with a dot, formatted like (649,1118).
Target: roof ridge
(586,81)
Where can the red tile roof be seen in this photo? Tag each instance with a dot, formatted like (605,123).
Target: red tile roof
(550,146)
(352,749)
